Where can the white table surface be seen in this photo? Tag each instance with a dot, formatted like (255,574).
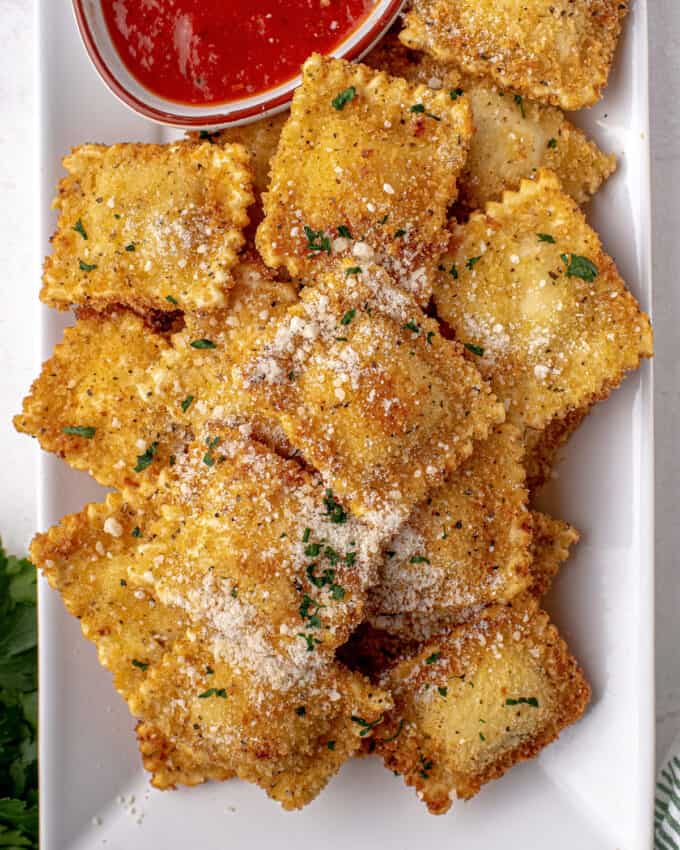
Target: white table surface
(19,360)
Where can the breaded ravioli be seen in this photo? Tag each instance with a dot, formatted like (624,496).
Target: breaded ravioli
(366,167)
(558,52)
(539,305)
(153,227)
(92,405)
(370,393)
(551,543)
(514,136)
(472,704)
(228,713)
(467,544)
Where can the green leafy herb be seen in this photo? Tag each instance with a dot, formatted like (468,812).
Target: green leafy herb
(301,711)
(202,343)
(412,326)
(334,510)
(366,726)
(419,559)
(209,671)
(419,109)
(141,664)
(316,240)
(213,692)
(309,610)
(352,270)
(426,767)
(432,658)
(396,734)
(341,100)
(143,461)
(78,227)
(347,318)
(206,135)
(383,220)
(85,431)
(131,247)
(519,100)
(454,94)
(312,642)
(305,534)
(475,349)
(234,592)
(399,233)
(453,271)
(552,143)
(443,692)
(472,262)
(546,237)
(86,267)
(18,705)
(331,745)
(171,299)
(430,335)
(344,231)
(578,266)
(136,531)
(208,458)
(532,701)
(186,404)
(481,737)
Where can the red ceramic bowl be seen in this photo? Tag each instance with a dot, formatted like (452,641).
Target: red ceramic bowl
(105,57)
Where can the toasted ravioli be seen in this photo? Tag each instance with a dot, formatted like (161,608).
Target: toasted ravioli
(149,226)
(550,545)
(366,167)
(558,53)
(468,543)
(538,304)
(472,704)
(370,393)
(288,742)
(91,403)
(513,136)
(84,559)
(255,546)
(543,446)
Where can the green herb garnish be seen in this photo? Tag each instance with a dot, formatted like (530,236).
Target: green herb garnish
(347,318)
(344,231)
(532,701)
(143,461)
(578,266)
(472,262)
(475,349)
(316,240)
(86,267)
(202,343)
(341,100)
(186,404)
(366,726)
(213,692)
(142,665)
(78,227)
(85,431)
(546,237)
(432,658)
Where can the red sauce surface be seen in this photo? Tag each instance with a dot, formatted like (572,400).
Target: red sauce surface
(215,51)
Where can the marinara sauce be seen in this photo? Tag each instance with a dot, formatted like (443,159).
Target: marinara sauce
(216,51)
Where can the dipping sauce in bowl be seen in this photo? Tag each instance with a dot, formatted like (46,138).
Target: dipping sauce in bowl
(219,51)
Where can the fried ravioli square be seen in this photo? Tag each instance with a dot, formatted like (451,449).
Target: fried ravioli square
(540,307)
(84,559)
(92,404)
(233,718)
(366,167)
(470,705)
(468,543)
(149,226)
(370,393)
(514,136)
(558,52)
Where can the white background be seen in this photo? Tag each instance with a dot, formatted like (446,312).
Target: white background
(19,341)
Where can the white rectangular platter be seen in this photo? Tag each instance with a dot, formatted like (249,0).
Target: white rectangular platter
(592,790)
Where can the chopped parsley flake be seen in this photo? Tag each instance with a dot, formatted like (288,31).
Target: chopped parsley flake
(86,267)
(131,247)
(331,745)
(399,233)
(472,262)
(454,94)
(309,610)
(186,404)
(443,692)
(85,431)
(426,767)
(366,726)
(143,461)
(334,510)
(419,109)
(481,737)
(341,100)
(316,240)
(301,711)
(412,326)
(453,271)
(171,299)
(475,349)
(578,266)
(552,143)
(202,343)
(432,658)
(312,642)
(419,559)
(347,318)
(213,692)
(519,100)
(209,671)
(344,231)
(208,458)
(78,227)
(532,701)
(546,237)
(430,334)
(305,534)
(136,531)
(352,270)
(140,664)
